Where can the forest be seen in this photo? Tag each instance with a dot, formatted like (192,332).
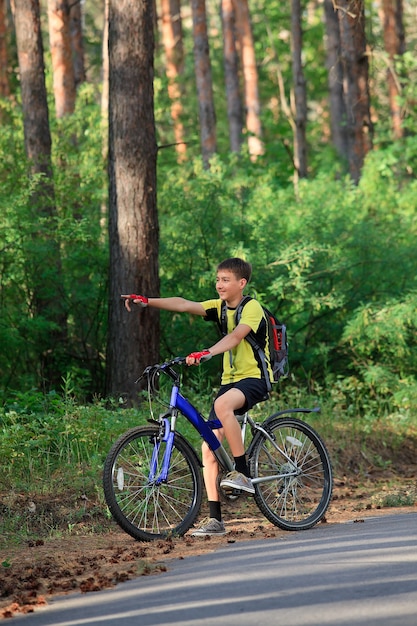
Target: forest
(143,142)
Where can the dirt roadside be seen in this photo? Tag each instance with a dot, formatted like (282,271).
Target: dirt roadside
(31,574)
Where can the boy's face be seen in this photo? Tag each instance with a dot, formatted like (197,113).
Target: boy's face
(229,287)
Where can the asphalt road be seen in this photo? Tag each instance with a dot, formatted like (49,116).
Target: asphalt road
(352,574)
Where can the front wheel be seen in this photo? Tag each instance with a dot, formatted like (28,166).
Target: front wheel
(295,473)
(144,506)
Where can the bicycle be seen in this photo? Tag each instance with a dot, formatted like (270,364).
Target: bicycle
(152,476)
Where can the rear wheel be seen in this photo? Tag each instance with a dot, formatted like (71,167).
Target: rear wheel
(297,470)
(143,506)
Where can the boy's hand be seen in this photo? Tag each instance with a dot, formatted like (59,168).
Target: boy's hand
(195,358)
(142,300)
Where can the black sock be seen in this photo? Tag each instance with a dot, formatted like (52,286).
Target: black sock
(215,510)
(241,465)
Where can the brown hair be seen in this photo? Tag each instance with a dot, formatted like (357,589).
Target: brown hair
(239,267)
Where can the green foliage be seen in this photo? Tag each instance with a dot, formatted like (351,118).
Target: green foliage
(386,334)
(50,439)
(382,342)
(27,242)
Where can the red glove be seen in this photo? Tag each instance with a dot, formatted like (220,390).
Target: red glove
(143,300)
(199,357)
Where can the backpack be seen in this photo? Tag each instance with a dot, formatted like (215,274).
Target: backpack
(278,346)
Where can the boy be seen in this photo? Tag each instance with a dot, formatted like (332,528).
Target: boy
(242,384)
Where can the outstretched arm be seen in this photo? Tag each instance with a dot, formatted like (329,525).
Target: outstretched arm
(175,303)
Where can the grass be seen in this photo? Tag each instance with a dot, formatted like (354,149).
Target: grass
(52,453)
(395,498)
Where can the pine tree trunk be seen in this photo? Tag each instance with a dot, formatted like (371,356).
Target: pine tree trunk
(4,64)
(62,67)
(44,269)
(105,112)
(133,339)
(204,81)
(355,65)
(394,40)
(335,81)
(105,88)
(231,73)
(250,77)
(300,94)
(174,55)
(77,42)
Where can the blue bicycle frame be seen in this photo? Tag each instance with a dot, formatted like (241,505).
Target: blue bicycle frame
(179,403)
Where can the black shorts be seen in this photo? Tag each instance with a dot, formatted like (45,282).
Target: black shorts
(254,390)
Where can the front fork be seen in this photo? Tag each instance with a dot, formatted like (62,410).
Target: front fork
(166,436)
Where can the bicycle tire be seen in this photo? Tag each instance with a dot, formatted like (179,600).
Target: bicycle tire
(300,497)
(142,508)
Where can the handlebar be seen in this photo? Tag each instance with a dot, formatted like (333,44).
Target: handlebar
(165,367)
(152,372)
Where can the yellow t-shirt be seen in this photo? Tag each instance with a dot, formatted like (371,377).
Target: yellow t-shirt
(243,361)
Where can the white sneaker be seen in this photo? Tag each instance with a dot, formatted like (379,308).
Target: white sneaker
(236,480)
(210,527)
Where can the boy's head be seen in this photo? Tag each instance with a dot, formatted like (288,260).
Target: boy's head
(239,267)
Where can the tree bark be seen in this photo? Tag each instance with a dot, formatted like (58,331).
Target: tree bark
(394,39)
(43,259)
(77,42)
(62,66)
(204,81)
(250,78)
(300,93)
(133,339)
(355,65)
(335,81)
(231,73)
(174,55)
(105,80)
(4,62)
(105,110)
